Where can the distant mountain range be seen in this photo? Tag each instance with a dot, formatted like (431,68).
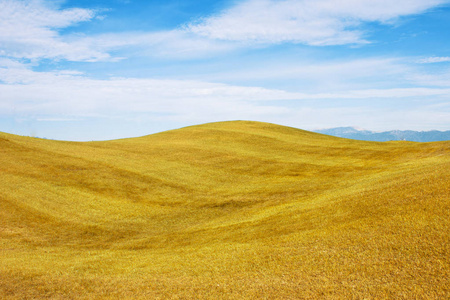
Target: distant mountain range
(394,135)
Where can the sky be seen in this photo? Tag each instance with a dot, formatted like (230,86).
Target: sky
(86,70)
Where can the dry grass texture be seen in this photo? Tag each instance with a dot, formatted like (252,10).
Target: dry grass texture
(233,210)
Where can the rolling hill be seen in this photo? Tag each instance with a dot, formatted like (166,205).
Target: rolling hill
(230,210)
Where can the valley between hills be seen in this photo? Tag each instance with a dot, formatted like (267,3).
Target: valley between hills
(228,210)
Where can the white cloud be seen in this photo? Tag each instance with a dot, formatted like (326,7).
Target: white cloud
(313,22)
(181,44)
(70,93)
(384,93)
(162,44)
(441,79)
(29,29)
(434,59)
(324,76)
(57,119)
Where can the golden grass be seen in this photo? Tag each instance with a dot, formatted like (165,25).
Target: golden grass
(232,210)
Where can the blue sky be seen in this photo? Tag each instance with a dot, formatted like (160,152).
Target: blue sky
(96,70)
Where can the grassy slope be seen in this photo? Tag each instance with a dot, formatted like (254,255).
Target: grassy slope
(224,210)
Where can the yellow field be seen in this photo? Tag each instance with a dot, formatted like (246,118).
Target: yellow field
(232,210)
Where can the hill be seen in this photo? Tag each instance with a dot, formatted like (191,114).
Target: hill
(393,135)
(234,210)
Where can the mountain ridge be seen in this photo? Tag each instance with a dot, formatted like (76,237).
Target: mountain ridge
(392,135)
